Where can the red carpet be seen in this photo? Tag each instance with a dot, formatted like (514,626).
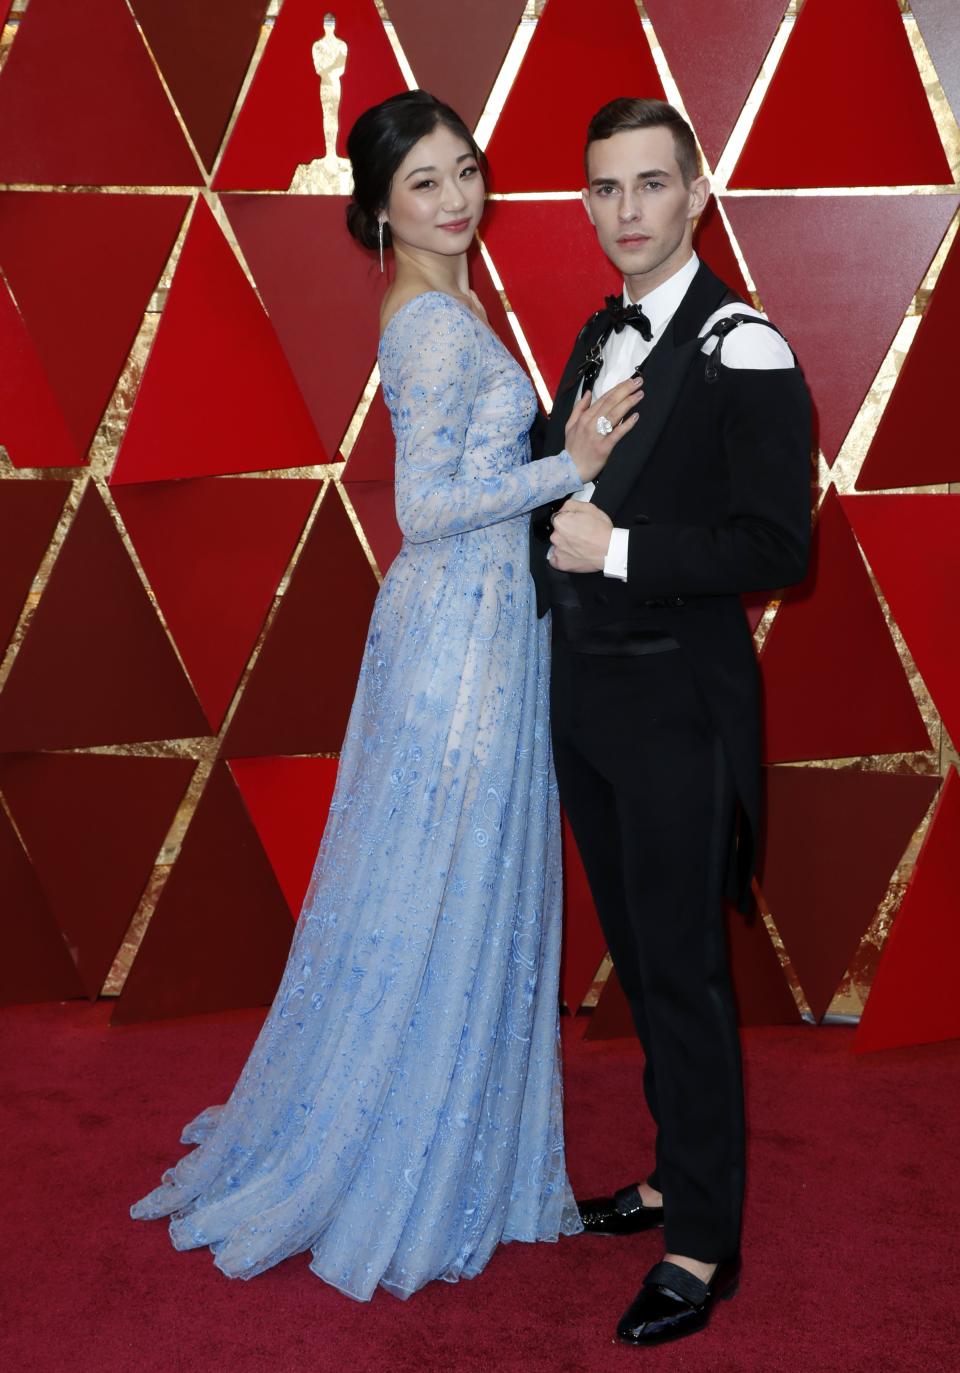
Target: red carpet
(852,1221)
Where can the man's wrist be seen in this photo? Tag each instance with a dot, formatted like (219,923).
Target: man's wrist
(615,562)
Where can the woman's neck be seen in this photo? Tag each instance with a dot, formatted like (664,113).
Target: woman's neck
(435,271)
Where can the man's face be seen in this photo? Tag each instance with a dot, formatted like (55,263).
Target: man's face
(639,206)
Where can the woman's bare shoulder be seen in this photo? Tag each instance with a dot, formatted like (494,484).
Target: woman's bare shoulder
(399,296)
(414,300)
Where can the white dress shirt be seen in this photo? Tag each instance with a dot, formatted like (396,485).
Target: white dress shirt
(753,347)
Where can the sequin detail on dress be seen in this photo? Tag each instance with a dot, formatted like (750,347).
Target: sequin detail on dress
(400,1113)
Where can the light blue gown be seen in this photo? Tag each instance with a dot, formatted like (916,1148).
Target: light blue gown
(400,1113)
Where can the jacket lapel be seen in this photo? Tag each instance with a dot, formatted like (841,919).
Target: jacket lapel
(664,372)
(591,332)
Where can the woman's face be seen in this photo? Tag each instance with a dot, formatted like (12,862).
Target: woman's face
(436,198)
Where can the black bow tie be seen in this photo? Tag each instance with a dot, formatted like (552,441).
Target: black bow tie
(621,316)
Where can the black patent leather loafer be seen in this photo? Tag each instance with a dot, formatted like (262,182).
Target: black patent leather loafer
(672,1303)
(622,1214)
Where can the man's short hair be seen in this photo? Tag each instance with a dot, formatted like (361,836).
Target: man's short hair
(628,113)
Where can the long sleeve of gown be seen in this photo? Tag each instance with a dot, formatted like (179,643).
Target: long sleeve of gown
(431,374)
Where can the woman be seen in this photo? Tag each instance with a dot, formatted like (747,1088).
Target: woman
(400,1113)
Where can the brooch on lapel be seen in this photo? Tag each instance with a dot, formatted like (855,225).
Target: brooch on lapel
(589,369)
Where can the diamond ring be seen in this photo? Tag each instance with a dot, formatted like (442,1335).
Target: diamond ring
(604,426)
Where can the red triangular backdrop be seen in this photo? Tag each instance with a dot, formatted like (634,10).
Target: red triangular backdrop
(575,63)
(375,507)
(95,666)
(456,51)
(324,306)
(203,51)
(837,274)
(220,933)
(82,269)
(93,825)
(33,429)
(832,842)
(288,800)
(299,694)
(217,395)
(214,551)
(937,20)
(714,49)
(846,53)
(834,686)
(913,999)
(35,963)
(916,440)
(85,113)
(912,543)
(29,512)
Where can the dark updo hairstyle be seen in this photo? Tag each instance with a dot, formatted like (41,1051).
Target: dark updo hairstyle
(378,143)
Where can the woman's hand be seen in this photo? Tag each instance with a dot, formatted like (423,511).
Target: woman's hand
(588,448)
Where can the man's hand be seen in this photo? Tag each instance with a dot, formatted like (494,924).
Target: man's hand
(580,538)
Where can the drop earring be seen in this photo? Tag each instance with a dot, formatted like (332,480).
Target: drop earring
(380,236)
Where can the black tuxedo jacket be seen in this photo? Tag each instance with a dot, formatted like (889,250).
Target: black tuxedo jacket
(713,483)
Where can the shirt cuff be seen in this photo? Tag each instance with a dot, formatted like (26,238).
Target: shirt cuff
(615,563)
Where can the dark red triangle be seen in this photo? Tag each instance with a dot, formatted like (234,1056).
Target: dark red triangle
(833,841)
(93,874)
(611,1018)
(203,52)
(837,274)
(375,505)
(760,986)
(29,511)
(35,964)
(95,666)
(714,49)
(324,306)
(534,245)
(288,800)
(890,142)
(912,544)
(916,442)
(575,63)
(913,999)
(940,29)
(87,113)
(368,481)
(712,243)
(834,686)
(221,930)
(32,426)
(217,394)
(456,51)
(214,551)
(300,691)
(482,284)
(372,456)
(583,941)
(82,269)
(280,124)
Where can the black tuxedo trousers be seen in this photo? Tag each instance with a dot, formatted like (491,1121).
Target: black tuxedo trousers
(652,810)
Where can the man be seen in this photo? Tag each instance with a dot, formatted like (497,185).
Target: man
(655,690)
